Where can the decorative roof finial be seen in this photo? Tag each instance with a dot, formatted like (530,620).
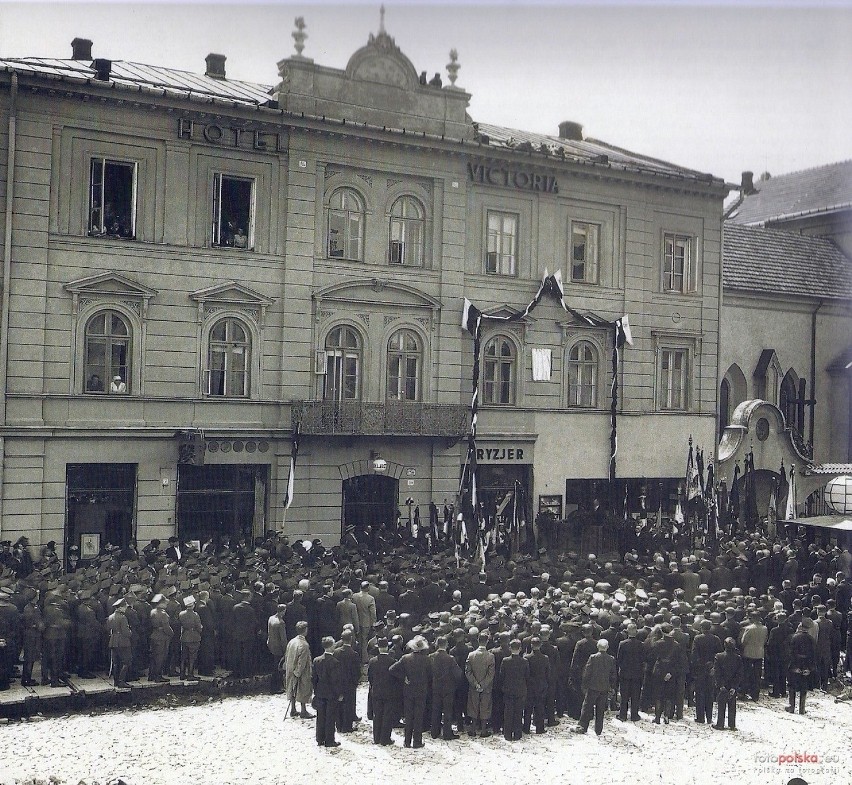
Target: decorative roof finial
(299,35)
(453,67)
(382,19)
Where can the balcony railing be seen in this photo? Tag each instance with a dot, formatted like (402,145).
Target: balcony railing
(392,418)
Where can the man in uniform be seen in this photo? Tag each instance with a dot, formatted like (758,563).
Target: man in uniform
(120,638)
(190,638)
(161,637)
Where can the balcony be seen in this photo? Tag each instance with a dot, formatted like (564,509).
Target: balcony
(392,418)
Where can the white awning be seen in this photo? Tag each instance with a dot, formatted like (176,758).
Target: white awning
(834,522)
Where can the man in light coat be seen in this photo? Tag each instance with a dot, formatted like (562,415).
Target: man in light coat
(479,671)
(365,604)
(297,670)
(276,642)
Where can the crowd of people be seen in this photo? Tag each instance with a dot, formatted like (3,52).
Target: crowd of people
(444,645)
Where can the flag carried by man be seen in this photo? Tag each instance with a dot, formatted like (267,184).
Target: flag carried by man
(693,482)
(294,451)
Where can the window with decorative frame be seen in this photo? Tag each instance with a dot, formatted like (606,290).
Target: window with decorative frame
(112,198)
(673,378)
(499,372)
(228,359)
(679,274)
(107,353)
(583,365)
(406,231)
(342,381)
(233,211)
(501,256)
(585,252)
(346,219)
(404,366)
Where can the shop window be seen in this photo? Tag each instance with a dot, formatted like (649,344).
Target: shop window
(228,359)
(499,367)
(112,198)
(678,263)
(346,225)
(585,243)
(107,354)
(342,365)
(582,375)
(233,212)
(673,392)
(403,366)
(501,243)
(407,228)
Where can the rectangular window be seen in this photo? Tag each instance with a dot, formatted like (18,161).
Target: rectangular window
(585,242)
(233,211)
(673,392)
(678,265)
(502,244)
(112,198)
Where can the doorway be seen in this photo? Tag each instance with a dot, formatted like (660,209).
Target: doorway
(370,501)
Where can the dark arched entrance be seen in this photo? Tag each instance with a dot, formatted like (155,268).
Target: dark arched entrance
(370,501)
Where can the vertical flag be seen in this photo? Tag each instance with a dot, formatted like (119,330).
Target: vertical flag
(692,487)
(783,491)
(294,451)
(622,336)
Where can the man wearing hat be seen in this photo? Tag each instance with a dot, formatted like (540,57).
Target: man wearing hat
(777,654)
(445,675)
(753,641)
(9,622)
(630,666)
(190,638)
(598,683)
(705,647)
(728,675)
(119,643)
(385,694)
(414,672)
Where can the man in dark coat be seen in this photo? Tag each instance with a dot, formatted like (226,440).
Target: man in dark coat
(350,674)
(630,665)
(597,683)
(728,676)
(385,694)
(414,672)
(705,647)
(537,687)
(327,693)
(244,629)
(446,673)
(803,663)
(514,676)
(777,654)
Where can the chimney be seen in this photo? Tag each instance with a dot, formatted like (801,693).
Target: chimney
(81,49)
(215,66)
(570,130)
(102,68)
(747,185)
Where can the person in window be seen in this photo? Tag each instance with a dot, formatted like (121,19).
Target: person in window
(240,238)
(95,384)
(117,385)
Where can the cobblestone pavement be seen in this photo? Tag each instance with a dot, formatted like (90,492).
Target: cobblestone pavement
(247,740)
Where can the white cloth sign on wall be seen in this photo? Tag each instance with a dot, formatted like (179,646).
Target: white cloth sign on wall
(541,365)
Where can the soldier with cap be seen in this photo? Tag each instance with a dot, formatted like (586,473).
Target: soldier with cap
(9,627)
(118,629)
(32,626)
(190,638)
(160,638)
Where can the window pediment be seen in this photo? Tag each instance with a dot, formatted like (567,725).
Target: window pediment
(231,296)
(377,292)
(110,286)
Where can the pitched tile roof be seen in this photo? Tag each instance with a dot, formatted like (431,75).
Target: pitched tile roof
(783,263)
(158,80)
(822,189)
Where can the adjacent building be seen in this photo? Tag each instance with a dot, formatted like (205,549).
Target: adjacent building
(197,270)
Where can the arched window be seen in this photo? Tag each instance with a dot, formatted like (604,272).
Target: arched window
(404,366)
(724,406)
(407,228)
(107,354)
(788,402)
(342,365)
(583,375)
(498,382)
(346,225)
(229,359)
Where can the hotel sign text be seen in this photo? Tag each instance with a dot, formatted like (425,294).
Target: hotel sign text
(230,136)
(512,178)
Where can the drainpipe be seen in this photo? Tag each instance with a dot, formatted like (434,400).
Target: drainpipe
(812,416)
(7,274)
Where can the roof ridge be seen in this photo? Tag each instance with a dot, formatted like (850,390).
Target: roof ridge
(802,171)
